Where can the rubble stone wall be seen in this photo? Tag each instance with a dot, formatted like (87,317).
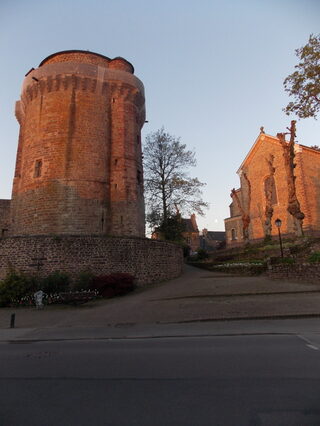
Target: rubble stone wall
(149,261)
(300,272)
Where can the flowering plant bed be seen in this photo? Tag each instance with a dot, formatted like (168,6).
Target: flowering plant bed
(78,297)
(242,268)
(68,297)
(19,289)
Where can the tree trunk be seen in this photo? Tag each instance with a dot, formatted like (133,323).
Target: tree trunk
(269,188)
(164,201)
(293,202)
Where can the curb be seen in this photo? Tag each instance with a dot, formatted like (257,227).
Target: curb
(109,336)
(244,318)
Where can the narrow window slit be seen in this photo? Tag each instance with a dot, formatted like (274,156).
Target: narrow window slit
(37,168)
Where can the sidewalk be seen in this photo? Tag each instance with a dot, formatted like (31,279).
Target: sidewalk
(196,296)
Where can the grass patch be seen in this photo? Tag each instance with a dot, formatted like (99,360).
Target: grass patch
(314,257)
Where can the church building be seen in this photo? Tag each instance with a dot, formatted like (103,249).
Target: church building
(264,193)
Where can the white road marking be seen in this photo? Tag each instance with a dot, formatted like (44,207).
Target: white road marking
(313,347)
(308,342)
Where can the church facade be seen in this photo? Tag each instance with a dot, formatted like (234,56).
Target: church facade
(264,192)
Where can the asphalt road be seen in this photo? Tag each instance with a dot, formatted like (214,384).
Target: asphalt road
(257,379)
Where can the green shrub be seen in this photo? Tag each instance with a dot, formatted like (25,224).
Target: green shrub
(267,239)
(15,286)
(115,284)
(19,288)
(314,257)
(83,281)
(286,260)
(186,250)
(270,246)
(55,282)
(202,254)
(225,257)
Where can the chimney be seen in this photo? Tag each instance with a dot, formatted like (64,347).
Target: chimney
(194,222)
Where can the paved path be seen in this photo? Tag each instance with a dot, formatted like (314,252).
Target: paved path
(197,295)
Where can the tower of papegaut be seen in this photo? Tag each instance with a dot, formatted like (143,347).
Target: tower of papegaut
(79,160)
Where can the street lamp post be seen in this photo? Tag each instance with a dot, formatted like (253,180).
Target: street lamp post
(278,223)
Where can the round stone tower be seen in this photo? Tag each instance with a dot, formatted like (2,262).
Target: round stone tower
(79,159)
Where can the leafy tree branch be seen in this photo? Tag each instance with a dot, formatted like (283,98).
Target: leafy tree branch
(303,85)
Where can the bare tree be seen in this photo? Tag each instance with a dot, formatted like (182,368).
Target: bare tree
(289,155)
(269,190)
(167,183)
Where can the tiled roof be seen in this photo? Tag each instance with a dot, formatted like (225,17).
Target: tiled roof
(216,235)
(189,226)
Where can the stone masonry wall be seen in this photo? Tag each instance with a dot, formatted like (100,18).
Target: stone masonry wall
(300,272)
(236,224)
(257,172)
(148,260)
(308,186)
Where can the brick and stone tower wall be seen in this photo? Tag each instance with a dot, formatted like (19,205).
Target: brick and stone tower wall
(79,159)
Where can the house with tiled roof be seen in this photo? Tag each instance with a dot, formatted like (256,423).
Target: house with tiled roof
(212,240)
(190,232)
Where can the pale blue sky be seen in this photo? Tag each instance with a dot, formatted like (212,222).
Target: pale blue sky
(212,70)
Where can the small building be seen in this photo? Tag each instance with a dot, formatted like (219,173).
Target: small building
(191,233)
(263,195)
(212,240)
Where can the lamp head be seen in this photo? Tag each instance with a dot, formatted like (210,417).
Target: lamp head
(278,223)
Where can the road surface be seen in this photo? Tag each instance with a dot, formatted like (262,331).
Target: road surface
(259,378)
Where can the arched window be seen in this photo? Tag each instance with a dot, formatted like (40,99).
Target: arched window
(233,234)
(270,190)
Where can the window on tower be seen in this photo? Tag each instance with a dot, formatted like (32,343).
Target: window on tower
(37,168)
